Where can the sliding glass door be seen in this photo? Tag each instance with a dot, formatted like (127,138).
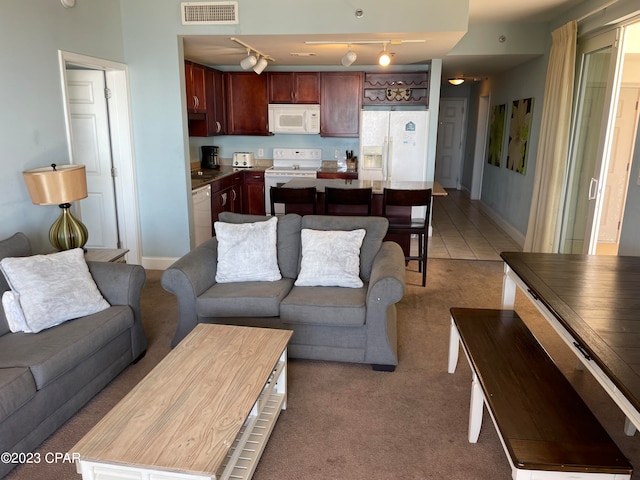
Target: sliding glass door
(590,145)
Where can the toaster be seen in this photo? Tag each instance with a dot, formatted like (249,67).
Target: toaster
(243,159)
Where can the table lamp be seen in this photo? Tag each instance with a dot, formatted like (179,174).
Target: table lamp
(61,185)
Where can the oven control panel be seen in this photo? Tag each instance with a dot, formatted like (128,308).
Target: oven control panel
(297,154)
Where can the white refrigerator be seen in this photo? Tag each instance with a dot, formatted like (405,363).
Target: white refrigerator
(393,145)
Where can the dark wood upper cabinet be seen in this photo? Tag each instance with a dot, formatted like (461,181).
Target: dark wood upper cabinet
(247,103)
(340,104)
(294,87)
(195,87)
(213,120)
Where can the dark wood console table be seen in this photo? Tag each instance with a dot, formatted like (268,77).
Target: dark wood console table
(593,304)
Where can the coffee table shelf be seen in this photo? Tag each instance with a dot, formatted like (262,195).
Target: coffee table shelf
(213,433)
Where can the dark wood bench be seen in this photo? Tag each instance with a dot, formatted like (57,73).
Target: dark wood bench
(546,429)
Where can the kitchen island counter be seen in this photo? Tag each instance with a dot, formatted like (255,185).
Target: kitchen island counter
(378,186)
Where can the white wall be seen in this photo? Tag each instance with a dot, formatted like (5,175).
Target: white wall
(32,123)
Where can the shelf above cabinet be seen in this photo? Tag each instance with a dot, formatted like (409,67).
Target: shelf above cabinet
(396,88)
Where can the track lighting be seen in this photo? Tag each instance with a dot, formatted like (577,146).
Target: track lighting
(349,58)
(384,58)
(456,81)
(257,60)
(249,61)
(261,65)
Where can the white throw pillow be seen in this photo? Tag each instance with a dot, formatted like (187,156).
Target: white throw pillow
(330,258)
(50,289)
(247,252)
(13,312)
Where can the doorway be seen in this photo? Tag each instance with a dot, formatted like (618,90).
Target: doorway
(604,131)
(449,148)
(113,198)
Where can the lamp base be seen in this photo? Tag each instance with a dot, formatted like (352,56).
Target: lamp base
(68,232)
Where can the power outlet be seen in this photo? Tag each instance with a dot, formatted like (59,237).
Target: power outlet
(260,152)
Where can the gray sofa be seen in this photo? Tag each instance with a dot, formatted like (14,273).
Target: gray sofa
(329,323)
(48,376)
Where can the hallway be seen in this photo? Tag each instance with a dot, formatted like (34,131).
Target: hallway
(462,231)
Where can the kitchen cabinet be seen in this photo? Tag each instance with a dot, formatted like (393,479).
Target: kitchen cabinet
(294,87)
(195,87)
(226,195)
(253,192)
(396,88)
(213,121)
(247,103)
(340,103)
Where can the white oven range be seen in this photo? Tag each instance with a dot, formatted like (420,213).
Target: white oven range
(290,163)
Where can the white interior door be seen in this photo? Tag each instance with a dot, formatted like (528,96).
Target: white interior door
(91,146)
(451,121)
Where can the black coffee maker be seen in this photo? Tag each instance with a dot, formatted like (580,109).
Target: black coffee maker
(210,157)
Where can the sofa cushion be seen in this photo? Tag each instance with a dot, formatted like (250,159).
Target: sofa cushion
(330,258)
(53,288)
(247,252)
(288,238)
(15,246)
(333,306)
(54,351)
(376,228)
(16,388)
(250,299)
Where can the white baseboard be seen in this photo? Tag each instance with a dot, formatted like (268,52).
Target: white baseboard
(509,229)
(157,263)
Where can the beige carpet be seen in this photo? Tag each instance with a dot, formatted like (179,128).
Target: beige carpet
(347,422)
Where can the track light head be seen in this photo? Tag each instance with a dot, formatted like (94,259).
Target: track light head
(261,65)
(249,61)
(384,58)
(349,58)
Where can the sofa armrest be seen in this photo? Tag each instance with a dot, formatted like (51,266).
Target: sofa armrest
(387,282)
(121,284)
(187,278)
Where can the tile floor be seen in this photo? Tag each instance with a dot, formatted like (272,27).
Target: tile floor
(462,231)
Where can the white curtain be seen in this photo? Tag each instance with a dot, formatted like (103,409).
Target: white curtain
(553,145)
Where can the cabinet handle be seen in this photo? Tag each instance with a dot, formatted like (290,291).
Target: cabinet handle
(223,198)
(234,194)
(218,127)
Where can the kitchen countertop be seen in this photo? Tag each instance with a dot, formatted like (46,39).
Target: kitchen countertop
(211,175)
(377,185)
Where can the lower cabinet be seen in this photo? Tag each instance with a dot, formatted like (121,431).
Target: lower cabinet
(226,195)
(253,193)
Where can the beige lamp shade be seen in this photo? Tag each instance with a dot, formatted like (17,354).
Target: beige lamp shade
(56,184)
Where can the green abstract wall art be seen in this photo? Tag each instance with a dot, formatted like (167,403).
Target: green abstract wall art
(519,133)
(496,134)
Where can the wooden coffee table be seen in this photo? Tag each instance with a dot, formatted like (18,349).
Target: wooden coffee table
(205,411)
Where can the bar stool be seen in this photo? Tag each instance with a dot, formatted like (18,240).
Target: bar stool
(355,199)
(294,196)
(410,226)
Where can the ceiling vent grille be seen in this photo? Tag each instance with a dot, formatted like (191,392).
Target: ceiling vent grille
(209,13)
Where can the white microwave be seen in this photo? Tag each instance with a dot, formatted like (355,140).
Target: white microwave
(292,118)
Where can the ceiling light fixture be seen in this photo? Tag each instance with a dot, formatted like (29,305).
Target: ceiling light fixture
(249,61)
(384,58)
(261,65)
(349,57)
(456,81)
(257,60)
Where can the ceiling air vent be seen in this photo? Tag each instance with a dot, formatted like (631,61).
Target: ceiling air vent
(209,13)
